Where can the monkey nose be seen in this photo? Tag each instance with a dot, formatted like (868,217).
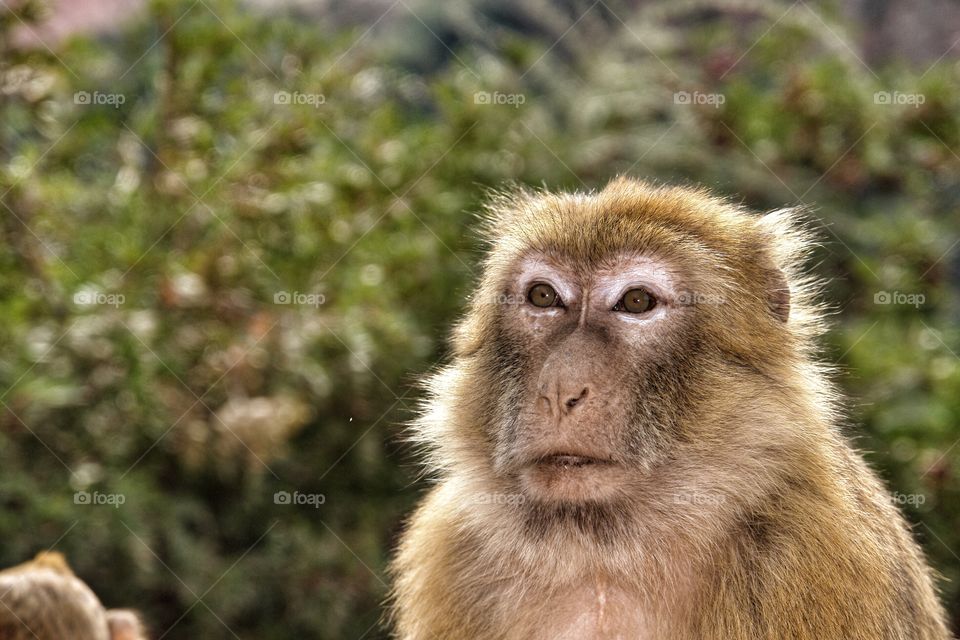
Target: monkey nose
(560,400)
(574,399)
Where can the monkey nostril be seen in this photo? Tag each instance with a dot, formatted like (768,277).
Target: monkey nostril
(543,404)
(572,402)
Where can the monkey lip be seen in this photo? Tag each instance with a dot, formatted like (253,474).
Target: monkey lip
(571,476)
(566,460)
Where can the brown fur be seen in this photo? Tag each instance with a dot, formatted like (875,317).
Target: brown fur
(742,512)
(44,600)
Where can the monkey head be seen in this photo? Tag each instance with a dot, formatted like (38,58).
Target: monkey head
(602,324)
(636,438)
(43,600)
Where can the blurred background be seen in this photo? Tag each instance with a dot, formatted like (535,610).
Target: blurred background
(235,233)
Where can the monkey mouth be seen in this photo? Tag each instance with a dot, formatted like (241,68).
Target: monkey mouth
(569,461)
(570,476)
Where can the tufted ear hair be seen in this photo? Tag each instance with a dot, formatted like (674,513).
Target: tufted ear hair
(503,207)
(789,240)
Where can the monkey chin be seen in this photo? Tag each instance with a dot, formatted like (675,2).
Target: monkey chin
(565,477)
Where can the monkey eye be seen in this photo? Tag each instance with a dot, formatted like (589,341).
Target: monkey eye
(637,300)
(543,295)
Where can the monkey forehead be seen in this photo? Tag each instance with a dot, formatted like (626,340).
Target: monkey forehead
(628,215)
(601,241)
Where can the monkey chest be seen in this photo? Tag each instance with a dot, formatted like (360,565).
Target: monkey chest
(588,612)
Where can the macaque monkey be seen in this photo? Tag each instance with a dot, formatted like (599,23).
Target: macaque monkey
(634,440)
(43,600)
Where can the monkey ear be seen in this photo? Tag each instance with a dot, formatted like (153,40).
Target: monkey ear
(784,242)
(125,624)
(778,294)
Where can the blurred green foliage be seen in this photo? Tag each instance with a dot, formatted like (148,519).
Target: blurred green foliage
(255,156)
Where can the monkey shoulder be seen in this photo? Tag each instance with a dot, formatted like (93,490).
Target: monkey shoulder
(438,590)
(840,545)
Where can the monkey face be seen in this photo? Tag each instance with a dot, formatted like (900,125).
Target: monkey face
(602,324)
(602,365)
